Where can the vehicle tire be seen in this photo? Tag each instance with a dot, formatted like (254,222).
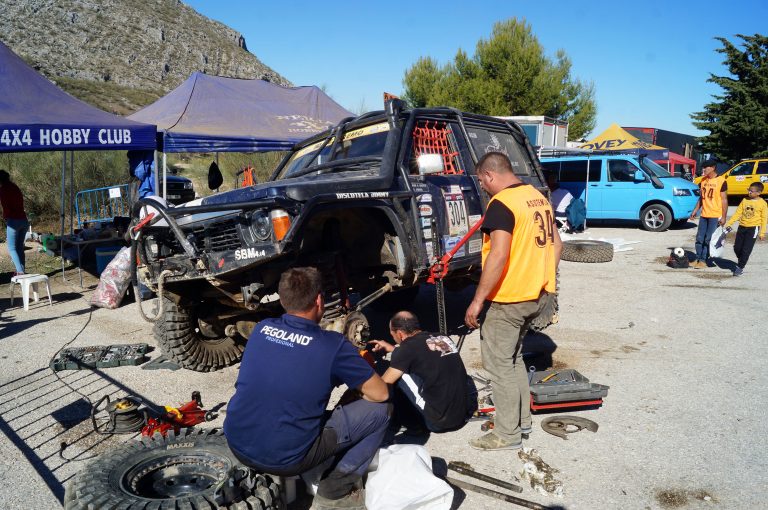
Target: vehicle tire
(587,251)
(177,471)
(656,218)
(183,340)
(548,316)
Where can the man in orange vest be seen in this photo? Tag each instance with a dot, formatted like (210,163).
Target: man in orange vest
(713,203)
(521,251)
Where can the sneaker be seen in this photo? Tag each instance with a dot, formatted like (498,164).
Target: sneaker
(491,441)
(355,500)
(526,433)
(738,271)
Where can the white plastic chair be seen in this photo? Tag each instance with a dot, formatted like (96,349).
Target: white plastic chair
(30,280)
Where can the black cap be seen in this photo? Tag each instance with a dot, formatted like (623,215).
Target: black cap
(709,162)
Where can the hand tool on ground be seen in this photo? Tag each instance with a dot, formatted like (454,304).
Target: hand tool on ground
(559,425)
(468,471)
(494,494)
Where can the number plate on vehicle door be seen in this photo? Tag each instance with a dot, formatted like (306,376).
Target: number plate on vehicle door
(457,214)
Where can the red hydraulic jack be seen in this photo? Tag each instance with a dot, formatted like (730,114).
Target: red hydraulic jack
(177,418)
(439,270)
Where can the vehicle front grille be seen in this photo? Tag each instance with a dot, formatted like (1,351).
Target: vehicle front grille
(215,237)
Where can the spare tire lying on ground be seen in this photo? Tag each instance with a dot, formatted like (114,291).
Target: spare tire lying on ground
(177,471)
(587,251)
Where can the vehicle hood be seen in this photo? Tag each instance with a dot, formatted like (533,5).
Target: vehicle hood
(679,183)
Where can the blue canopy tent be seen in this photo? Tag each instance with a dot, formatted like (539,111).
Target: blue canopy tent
(215,114)
(36,115)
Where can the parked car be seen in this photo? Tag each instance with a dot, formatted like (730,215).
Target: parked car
(625,187)
(366,202)
(741,175)
(180,189)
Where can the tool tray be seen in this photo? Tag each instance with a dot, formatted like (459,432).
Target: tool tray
(566,385)
(100,356)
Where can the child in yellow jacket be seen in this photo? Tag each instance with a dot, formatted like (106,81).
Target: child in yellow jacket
(752,215)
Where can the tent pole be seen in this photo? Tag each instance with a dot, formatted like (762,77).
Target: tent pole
(154,174)
(165,171)
(63,192)
(71,191)
(586,192)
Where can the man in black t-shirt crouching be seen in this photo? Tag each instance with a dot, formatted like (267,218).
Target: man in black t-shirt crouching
(429,372)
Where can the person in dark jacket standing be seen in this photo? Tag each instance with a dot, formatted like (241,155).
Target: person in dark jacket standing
(15,218)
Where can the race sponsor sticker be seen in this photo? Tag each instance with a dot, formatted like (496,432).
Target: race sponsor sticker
(426,222)
(425,198)
(475,245)
(427,233)
(764,178)
(474,218)
(430,249)
(454,188)
(739,178)
(450,243)
(425,210)
(456,211)
(115,193)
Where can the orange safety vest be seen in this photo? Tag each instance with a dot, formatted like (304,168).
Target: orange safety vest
(530,267)
(711,200)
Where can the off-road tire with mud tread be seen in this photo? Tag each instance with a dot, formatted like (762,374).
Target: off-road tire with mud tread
(548,316)
(587,250)
(103,483)
(177,336)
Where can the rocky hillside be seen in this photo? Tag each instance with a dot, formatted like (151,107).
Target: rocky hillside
(121,55)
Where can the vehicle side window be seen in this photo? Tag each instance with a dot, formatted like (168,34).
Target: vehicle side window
(485,141)
(576,171)
(762,167)
(436,137)
(621,170)
(743,169)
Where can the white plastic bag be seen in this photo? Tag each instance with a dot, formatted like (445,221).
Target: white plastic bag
(403,480)
(114,281)
(717,242)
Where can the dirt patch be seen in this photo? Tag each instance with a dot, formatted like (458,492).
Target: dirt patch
(705,287)
(596,352)
(628,348)
(713,276)
(558,364)
(678,498)
(661,260)
(476,364)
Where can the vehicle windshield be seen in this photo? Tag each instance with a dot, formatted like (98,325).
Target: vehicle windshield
(653,168)
(366,143)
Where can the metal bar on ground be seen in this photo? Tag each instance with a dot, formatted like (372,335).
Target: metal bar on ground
(480,476)
(495,494)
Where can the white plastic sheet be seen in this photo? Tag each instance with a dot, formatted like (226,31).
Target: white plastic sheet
(403,480)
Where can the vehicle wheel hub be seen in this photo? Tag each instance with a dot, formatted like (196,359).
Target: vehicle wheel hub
(174,476)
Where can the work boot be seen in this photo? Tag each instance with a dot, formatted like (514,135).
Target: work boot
(699,264)
(355,500)
(491,441)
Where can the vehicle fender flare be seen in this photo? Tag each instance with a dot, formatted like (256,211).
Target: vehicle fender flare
(656,201)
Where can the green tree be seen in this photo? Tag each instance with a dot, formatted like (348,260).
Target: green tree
(509,74)
(737,119)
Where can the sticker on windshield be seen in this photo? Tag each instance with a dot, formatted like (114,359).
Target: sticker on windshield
(457,213)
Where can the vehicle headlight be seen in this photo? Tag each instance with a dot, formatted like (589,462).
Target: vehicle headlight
(187,185)
(261,226)
(681,192)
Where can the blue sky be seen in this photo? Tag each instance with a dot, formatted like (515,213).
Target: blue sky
(649,60)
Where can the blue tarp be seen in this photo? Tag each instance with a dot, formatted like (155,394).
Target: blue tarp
(36,115)
(215,114)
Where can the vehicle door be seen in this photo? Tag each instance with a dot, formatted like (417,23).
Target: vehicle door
(582,177)
(623,196)
(447,197)
(740,177)
(761,175)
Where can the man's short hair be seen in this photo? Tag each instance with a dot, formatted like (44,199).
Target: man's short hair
(758,186)
(298,288)
(4,176)
(404,321)
(709,163)
(494,162)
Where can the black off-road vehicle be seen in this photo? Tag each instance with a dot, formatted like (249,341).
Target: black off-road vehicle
(364,202)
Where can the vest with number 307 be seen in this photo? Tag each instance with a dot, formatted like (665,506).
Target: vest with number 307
(530,267)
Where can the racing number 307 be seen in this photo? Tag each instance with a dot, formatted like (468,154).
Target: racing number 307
(546,228)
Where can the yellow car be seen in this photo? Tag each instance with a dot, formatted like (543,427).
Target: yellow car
(744,173)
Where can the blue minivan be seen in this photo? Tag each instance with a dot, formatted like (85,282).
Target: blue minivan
(625,187)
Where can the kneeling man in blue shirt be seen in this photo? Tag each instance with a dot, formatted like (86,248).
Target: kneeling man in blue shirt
(277,421)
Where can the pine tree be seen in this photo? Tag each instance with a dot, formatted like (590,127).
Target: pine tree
(509,74)
(737,119)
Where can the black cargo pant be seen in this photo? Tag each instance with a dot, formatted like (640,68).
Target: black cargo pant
(745,241)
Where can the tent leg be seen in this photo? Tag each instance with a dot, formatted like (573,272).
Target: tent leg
(165,181)
(71,191)
(63,193)
(154,175)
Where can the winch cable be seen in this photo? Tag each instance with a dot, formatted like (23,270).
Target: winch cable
(135,239)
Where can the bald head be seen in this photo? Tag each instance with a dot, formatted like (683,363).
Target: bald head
(406,322)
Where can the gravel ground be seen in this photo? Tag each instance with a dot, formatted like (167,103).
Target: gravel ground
(682,352)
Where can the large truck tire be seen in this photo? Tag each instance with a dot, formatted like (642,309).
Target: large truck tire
(164,473)
(184,340)
(587,251)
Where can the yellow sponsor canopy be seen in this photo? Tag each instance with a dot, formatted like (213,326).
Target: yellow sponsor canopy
(616,139)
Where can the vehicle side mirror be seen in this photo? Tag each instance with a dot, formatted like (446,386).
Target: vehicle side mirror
(640,176)
(430,164)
